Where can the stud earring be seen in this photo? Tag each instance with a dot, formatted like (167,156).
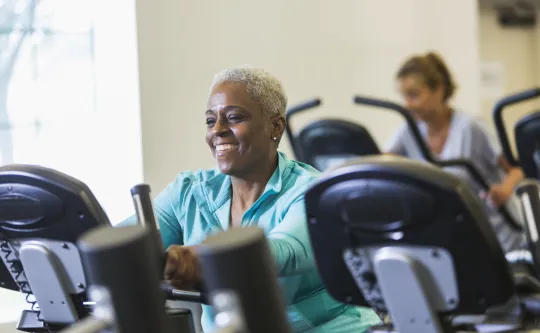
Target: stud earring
(275,138)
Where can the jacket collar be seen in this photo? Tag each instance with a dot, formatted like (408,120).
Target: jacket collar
(214,192)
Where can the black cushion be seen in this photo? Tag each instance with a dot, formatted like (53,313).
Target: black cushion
(368,201)
(327,138)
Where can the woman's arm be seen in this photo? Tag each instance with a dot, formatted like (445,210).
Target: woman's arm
(500,193)
(487,149)
(169,225)
(513,174)
(290,244)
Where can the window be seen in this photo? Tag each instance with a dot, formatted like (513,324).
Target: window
(69,98)
(69,93)
(46,70)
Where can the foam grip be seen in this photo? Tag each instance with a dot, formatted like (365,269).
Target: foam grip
(241,280)
(123,261)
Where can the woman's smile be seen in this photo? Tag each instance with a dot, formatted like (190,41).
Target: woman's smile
(225,149)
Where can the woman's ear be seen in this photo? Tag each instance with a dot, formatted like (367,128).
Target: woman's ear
(439,92)
(278,126)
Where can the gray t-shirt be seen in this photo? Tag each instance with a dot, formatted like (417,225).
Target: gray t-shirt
(468,139)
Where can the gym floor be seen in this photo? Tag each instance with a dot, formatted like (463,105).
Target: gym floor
(11,305)
(8,328)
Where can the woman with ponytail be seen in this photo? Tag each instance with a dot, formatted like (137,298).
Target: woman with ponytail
(426,84)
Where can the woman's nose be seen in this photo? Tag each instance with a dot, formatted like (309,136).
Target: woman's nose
(409,103)
(220,128)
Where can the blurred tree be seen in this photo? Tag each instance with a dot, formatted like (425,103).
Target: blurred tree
(16,24)
(47,70)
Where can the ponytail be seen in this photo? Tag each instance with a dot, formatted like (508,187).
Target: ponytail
(447,79)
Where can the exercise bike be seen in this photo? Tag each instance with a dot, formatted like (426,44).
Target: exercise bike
(42,215)
(413,242)
(243,302)
(329,141)
(428,156)
(527,134)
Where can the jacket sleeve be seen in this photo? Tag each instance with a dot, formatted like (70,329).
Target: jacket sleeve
(169,225)
(289,242)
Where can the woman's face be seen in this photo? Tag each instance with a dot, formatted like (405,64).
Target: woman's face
(239,135)
(423,101)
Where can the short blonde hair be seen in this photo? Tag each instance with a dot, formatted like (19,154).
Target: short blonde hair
(261,86)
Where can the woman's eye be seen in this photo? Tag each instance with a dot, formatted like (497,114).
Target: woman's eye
(210,122)
(413,94)
(235,118)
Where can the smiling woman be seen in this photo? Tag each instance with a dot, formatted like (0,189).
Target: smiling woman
(245,122)
(254,184)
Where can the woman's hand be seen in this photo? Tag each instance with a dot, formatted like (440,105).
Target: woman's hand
(182,267)
(499,194)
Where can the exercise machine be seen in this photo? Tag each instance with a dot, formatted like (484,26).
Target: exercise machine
(245,301)
(327,142)
(428,156)
(42,215)
(56,236)
(526,132)
(527,135)
(132,303)
(413,242)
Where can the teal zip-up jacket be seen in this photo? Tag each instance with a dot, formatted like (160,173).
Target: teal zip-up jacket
(197,204)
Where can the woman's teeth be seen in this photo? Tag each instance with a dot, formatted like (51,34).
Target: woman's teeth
(225,147)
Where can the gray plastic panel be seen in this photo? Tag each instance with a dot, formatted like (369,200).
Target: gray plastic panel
(437,273)
(48,282)
(407,294)
(69,261)
(411,283)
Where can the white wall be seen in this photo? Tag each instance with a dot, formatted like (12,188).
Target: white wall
(517,50)
(331,49)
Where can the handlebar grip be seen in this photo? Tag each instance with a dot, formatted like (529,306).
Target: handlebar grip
(183,295)
(377,103)
(144,210)
(254,299)
(122,261)
(499,123)
(309,104)
(411,122)
(143,205)
(288,130)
